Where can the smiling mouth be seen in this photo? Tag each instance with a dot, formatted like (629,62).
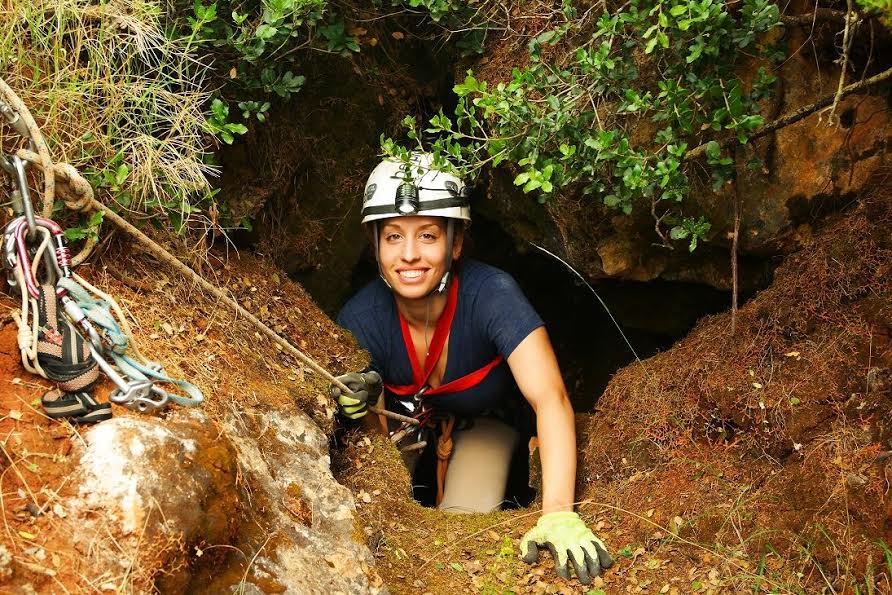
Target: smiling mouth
(411,274)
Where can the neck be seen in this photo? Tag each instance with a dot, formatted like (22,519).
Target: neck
(416,311)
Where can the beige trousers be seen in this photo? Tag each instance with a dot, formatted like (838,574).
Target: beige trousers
(478,469)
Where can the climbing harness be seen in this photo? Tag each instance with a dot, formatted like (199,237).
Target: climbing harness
(67,331)
(413,395)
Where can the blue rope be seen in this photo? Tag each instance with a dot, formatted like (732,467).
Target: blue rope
(99,313)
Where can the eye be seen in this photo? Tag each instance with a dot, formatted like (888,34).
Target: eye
(392,237)
(428,236)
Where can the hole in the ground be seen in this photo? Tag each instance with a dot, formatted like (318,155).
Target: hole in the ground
(589,347)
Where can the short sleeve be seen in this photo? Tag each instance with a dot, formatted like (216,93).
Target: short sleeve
(508,316)
(365,336)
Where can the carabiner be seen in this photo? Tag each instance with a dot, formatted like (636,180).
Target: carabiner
(63,255)
(21,197)
(15,120)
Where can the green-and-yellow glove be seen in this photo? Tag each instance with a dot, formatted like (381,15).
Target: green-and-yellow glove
(569,540)
(365,386)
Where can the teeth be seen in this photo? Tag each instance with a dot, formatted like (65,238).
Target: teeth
(411,274)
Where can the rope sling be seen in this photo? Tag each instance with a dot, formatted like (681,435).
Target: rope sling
(77,195)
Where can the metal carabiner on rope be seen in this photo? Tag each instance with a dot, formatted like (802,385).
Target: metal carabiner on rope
(10,253)
(16,121)
(21,196)
(62,253)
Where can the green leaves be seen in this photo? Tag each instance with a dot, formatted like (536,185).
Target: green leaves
(87,230)
(469,86)
(693,229)
(218,125)
(339,41)
(534,179)
(572,119)
(256,41)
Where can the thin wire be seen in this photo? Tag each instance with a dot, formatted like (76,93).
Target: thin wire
(581,278)
(427,317)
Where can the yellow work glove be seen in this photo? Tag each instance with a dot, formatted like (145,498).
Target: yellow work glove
(569,540)
(366,386)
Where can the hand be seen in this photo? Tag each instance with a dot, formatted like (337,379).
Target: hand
(365,386)
(569,540)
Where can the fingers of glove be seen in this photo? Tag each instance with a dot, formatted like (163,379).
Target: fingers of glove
(561,567)
(334,392)
(350,413)
(531,555)
(592,564)
(353,380)
(605,560)
(373,383)
(356,398)
(372,377)
(580,564)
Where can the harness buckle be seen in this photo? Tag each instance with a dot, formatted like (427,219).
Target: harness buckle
(417,396)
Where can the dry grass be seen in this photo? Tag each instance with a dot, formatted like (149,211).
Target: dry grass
(108,85)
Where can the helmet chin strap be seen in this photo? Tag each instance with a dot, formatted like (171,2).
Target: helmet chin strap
(444,281)
(450,238)
(377,257)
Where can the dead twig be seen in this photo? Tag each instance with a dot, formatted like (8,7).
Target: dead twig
(847,37)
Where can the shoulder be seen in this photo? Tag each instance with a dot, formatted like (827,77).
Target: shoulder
(372,298)
(480,278)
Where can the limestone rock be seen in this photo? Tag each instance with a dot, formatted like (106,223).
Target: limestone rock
(305,539)
(149,488)
(181,504)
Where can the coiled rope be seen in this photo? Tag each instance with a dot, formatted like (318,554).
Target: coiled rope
(78,196)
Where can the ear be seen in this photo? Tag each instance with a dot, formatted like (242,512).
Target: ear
(458,241)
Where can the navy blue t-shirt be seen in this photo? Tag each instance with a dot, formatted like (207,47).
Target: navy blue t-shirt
(492,317)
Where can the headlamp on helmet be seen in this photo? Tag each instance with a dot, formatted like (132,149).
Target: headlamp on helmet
(406,200)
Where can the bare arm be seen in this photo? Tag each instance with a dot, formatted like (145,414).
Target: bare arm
(536,372)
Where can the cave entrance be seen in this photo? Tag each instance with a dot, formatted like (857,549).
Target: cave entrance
(589,347)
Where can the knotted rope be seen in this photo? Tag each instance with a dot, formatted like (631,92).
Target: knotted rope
(444,452)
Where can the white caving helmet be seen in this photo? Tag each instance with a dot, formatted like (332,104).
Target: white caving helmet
(398,189)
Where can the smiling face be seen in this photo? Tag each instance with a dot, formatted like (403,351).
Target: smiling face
(412,253)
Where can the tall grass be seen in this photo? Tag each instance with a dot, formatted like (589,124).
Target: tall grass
(110,84)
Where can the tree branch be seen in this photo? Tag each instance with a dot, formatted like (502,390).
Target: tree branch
(798,114)
(821,15)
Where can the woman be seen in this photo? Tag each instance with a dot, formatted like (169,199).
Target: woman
(456,343)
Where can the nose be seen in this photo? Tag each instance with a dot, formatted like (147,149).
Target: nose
(410,250)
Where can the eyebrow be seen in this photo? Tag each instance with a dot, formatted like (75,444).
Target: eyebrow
(398,227)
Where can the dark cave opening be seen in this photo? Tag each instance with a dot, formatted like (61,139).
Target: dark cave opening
(590,349)
(589,346)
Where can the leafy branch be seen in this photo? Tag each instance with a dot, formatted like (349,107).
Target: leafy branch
(568,121)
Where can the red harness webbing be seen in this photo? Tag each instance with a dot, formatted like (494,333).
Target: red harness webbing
(438,342)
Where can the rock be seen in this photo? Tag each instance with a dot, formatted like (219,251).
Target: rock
(185,505)
(305,543)
(149,488)
(810,169)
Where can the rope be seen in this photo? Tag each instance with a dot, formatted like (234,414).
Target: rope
(99,312)
(444,452)
(46,164)
(86,201)
(75,192)
(27,335)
